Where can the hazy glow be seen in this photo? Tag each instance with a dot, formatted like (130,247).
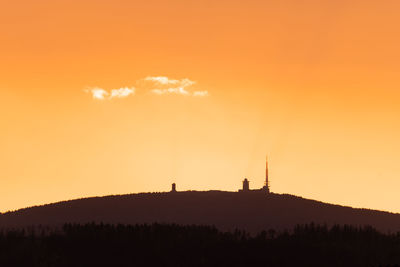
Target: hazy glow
(313,84)
(200,93)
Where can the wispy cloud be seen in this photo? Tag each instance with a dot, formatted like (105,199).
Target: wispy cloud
(102,94)
(97,93)
(164,85)
(162,80)
(178,90)
(122,92)
(159,85)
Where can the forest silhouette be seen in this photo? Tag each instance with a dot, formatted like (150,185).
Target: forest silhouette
(176,245)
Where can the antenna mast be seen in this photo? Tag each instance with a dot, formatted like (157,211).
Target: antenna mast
(266,172)
(266,186)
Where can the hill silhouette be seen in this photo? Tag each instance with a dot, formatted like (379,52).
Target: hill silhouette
(253,212)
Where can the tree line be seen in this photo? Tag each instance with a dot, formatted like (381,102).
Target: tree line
(193,245)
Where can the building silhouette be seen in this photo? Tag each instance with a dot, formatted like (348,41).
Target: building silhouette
(173,189)
(246,184)
(265,188)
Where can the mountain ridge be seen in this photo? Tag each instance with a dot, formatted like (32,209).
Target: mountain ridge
(251,211)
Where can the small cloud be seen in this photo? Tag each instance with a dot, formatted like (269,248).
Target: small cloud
(122,92)
(159,85)
(162,80)
(97,93)
(102,94)
(165,85)
(200,93)
(179,90)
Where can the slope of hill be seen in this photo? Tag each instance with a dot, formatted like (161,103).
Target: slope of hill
(253,211)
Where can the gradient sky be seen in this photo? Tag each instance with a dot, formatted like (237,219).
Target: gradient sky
(314,84)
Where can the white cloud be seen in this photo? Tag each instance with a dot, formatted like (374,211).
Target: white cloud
(165,81)
(178,90)
(162,80)
(160,85)
(97,93)
(165,85)
(200,93)
(187,82)
(102,94)
(122,92)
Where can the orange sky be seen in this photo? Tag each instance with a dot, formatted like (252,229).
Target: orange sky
(313,84)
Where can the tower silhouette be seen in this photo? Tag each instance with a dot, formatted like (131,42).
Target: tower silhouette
(264,189)
(266,185)
(246,186)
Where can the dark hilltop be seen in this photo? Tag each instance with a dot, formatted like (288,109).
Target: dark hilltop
(252,211)
(191,228)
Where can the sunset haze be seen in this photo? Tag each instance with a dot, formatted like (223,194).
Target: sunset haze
(199,93)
